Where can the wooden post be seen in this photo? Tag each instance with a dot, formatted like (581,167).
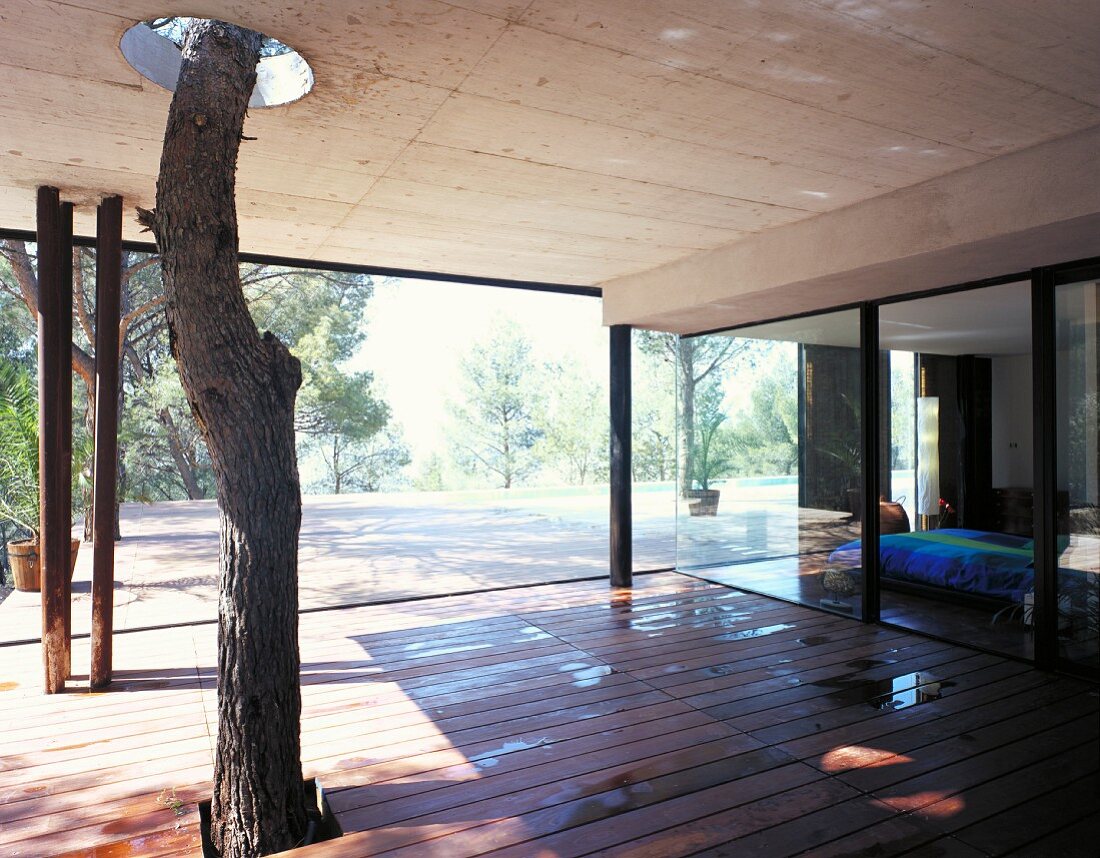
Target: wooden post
(621,514)
(108,286)
(65,424)
(55,522)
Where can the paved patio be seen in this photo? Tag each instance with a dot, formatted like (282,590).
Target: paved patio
(362,548)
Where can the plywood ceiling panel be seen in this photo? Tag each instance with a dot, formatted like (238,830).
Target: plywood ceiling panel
(595,148)
(485,208)
(626,92)
(850,61)
(499,174)
(556,139)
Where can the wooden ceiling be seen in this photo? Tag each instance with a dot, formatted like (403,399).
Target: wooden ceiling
(570,141)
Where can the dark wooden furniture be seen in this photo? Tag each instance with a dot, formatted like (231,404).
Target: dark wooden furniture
(1013,511)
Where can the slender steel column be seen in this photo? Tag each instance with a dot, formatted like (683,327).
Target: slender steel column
(108,288)
(871,450)
(1045,612)
(621,514)
(55,522)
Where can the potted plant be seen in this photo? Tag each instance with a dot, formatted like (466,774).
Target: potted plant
(19,475)
(711,457)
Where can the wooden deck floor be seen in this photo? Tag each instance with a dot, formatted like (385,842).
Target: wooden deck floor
(681,719)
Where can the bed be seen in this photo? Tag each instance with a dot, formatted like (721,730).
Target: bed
(993,567)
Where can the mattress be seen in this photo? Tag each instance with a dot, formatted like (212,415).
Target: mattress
(996,565)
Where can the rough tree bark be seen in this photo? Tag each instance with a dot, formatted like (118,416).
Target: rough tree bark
(241,388)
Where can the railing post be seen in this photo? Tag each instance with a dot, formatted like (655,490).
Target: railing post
(108,280)
(621,514)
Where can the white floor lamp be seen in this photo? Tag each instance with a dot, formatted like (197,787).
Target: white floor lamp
(928,457)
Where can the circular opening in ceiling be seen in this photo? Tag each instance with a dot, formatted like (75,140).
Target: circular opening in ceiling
(153,49)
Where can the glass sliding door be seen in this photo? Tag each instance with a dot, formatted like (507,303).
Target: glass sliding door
(653,453)
(956,556)
(769,466)
(1077,506)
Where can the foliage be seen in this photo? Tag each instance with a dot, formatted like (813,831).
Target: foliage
(431,477)
(843,443)
(496,423)
(164,454)
(17,326)
(653,415)
(764,438)
(696,359)
(19,447)
(712,455)
(362,464)
(175,30)
(339,419)
(902,415)
(575,436)
(320,316)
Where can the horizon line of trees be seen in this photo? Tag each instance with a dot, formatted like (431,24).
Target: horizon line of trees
(515,419)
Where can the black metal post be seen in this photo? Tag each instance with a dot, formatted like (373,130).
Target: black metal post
(1045,611)
(621,515)
(871,451)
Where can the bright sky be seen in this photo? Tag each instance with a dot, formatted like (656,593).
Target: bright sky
(418,330)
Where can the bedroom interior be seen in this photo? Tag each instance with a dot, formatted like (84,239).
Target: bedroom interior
(957,406)
(964,569)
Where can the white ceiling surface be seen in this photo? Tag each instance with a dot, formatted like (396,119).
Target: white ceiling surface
(556,140)
(992,320)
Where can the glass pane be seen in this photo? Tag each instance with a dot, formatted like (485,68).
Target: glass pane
(1078,454)
(956,556)
(653,449)
(769,464)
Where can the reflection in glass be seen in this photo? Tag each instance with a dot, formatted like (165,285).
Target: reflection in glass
(769,459)
(1077,343)
(956,556)
(653,449)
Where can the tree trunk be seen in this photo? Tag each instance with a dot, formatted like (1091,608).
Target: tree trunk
(685,365)
(242,389)
(179,456)
(87,467)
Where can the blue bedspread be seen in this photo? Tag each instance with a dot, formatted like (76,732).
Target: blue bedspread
(972,561)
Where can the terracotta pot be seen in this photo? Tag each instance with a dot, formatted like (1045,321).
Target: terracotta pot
(25,568)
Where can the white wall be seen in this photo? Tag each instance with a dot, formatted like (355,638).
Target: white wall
(1012,421)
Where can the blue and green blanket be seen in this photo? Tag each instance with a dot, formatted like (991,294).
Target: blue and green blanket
(997,565)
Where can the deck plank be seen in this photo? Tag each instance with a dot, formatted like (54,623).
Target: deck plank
(684,718)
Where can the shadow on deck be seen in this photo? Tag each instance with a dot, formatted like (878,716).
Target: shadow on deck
(681,719)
